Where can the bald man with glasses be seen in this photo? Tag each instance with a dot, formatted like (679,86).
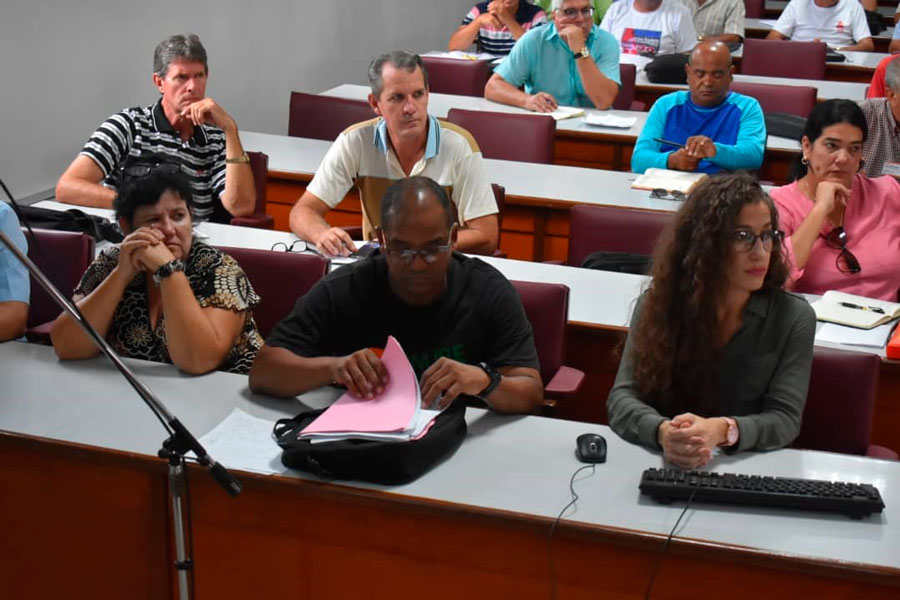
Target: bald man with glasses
(458,319)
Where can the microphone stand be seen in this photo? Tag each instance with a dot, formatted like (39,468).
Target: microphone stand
(174,448)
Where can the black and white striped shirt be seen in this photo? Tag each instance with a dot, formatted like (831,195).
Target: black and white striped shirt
(146,130)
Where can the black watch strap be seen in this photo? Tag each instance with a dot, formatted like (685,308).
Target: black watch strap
(167,269)
(492,385)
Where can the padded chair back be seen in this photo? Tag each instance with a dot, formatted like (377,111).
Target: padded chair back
(840,402)
(613,229)
(69,253)
(625,97)
(755,9)
(547,308)
(783,58)
(789,99)
(259,165)
(324,117)
(279,278)
(454,76)
(507,136)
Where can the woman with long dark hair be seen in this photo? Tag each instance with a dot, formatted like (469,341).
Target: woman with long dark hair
(842,227)
(718,354)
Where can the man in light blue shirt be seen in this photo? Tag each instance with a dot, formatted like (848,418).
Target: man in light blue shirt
(15,287)
(710,127)
(570,62)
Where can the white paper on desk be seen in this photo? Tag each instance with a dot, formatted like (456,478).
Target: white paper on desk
(610,121)
(854,336)
(460,55)
(244,442)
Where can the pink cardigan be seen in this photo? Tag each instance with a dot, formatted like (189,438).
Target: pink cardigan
(872,223)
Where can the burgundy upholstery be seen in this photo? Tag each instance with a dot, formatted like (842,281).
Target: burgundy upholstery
(454,76)
(755,9)
(69,253)
(613,229)
(279,278)
(840,404)
(784,58)
(789,99)
(324,117)
(507,136)
(547,308)
(625,98)
(259,164)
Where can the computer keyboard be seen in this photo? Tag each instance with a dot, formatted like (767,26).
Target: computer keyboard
(854,499)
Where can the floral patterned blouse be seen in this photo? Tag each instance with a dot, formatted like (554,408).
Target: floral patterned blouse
(216,279)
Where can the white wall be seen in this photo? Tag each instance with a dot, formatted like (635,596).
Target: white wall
(66,66)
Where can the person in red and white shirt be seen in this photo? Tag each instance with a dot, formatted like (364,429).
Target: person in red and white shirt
(839,23)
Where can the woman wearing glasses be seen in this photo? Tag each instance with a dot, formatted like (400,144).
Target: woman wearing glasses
(161,295)
(718,355)
(842,228)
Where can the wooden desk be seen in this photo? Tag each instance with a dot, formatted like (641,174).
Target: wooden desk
(581,145)
(760,28)
(84,510)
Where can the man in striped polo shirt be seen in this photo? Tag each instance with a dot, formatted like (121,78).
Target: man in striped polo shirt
(185,125)
(405,141)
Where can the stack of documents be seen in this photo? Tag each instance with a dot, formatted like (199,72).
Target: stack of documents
(393,415)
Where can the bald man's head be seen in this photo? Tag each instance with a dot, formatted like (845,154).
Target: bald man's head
(709,73)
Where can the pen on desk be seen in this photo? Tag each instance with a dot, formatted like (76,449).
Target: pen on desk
(875,309)
(662,141)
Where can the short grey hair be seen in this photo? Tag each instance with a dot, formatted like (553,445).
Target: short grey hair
(178,47)
(400,59)
(556,5)
(892,75)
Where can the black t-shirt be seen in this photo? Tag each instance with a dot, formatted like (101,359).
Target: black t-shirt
(479,318)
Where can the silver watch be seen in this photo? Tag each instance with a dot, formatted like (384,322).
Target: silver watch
(167,269)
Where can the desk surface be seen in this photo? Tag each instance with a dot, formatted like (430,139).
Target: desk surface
(440,104)
(531,459)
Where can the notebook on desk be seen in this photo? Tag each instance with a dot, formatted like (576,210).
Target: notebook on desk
(669,180)
(855,311)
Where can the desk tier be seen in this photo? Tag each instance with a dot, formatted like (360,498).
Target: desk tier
(85,494)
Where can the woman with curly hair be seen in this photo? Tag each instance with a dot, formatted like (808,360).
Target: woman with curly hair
(718,355)
(162,295)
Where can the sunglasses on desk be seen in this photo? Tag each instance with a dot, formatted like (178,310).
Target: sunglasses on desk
(845,261)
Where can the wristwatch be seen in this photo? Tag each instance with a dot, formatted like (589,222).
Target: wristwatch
(243,158)
(731,437)
(583,53)
(167,269)
(495,381)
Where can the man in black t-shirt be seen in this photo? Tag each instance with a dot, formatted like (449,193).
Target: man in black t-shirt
(458,319)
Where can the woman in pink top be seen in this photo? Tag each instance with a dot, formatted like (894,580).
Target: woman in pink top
(842,228)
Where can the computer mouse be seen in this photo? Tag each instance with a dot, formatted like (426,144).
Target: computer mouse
(590,448)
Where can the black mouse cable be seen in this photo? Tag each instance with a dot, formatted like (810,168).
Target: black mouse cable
(665,547)
(556,521)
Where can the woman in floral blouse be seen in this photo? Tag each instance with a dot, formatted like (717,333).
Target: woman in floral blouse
(161,295)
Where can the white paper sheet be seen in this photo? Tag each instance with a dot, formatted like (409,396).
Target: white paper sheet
(610,121)
(853,336)
(242,441)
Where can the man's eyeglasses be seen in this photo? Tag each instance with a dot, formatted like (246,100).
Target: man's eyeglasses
(667,195)
(845,261)
(429,253)
(744,240)
(574,13)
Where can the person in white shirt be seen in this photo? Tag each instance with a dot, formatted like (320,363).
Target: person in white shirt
(650,27)
(839,23)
